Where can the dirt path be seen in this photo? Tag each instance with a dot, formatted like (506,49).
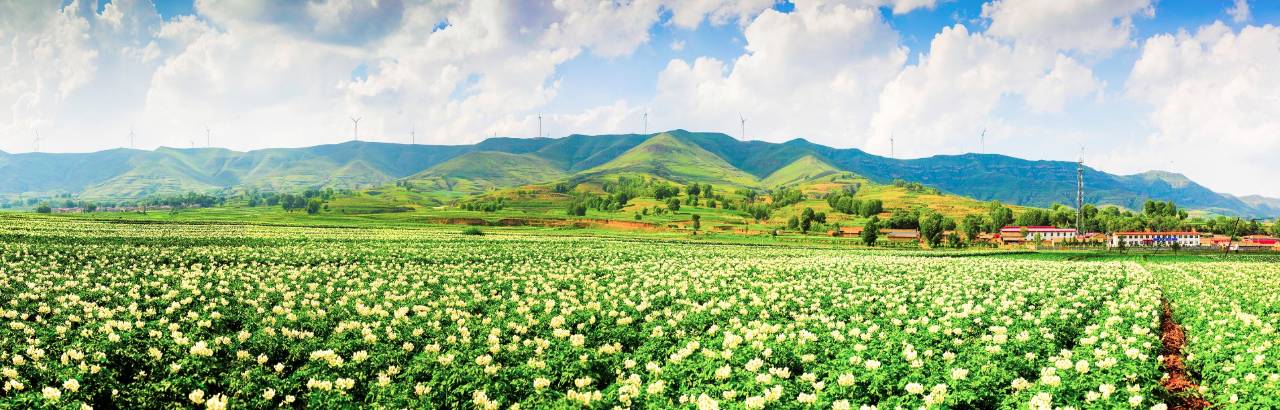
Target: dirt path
(1184,388)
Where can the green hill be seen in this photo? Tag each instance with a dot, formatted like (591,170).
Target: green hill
(678,155)
(667,157)
(807,168)
(481,171)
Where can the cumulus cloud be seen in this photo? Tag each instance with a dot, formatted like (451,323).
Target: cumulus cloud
(353,22)
(951,93)
(815,72)
(1085,25)
(1239,11)
(54,57)
(1214,101)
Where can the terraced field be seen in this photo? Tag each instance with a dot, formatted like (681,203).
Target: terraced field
(148,315)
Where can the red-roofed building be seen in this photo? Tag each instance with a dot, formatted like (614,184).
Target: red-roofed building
(1140,239)
(1013,234)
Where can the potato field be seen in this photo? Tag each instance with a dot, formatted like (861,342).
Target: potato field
(158,315)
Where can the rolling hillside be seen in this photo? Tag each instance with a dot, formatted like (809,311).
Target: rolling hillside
(807,168)
(480,171)
(667,157)
(678,155)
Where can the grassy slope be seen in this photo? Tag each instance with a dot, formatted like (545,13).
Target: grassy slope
(477,172)
(669,158)
(807,168)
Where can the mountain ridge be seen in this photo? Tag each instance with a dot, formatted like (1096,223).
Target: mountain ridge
(123,173)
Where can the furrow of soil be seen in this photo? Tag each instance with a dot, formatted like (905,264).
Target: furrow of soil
(1182,386)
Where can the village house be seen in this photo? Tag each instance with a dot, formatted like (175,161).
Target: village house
(846,231)
(1050,234)
(1093,237)
(900,235)
(1149,239)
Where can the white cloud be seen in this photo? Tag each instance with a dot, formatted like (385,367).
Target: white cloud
(813,73)
(1084,25)
(609,29)
(55,62)
(898,6)
(689,14)
(1215,103)
(286,74)
(1239,11)
(951,94)
(677,45)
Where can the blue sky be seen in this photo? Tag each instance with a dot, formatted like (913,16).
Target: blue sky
(1137,84)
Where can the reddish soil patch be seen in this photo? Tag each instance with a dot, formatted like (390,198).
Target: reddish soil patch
(1182,387)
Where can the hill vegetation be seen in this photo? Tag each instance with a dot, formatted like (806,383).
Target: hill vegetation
(450,173)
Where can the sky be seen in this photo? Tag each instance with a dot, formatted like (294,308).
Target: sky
(1190,86)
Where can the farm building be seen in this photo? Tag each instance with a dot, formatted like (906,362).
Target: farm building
(1141,239)
(1013,234)
(846,231)
(1093,237)
(900,235)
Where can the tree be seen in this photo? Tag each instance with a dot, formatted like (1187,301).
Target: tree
(806,219)
(673,204)
(313,206)
(870,207)
(1000,215)
(953,240)
(904,219)
(871,231)
(1275,228)
(43,209)
(577,209)
(697,222)
(932,225)
(793,223)
(972,225)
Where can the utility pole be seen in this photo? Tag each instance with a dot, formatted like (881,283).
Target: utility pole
(1080,193)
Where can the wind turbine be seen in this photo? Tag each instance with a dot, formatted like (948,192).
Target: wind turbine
(130,137)
(37,139)
(208,137)
(539,124)
(982,141)
(413,129)
(646,122)
(355,133)
(743,120)
(891,154)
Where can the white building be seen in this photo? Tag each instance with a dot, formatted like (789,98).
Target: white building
(1147,239)
(1044,233)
